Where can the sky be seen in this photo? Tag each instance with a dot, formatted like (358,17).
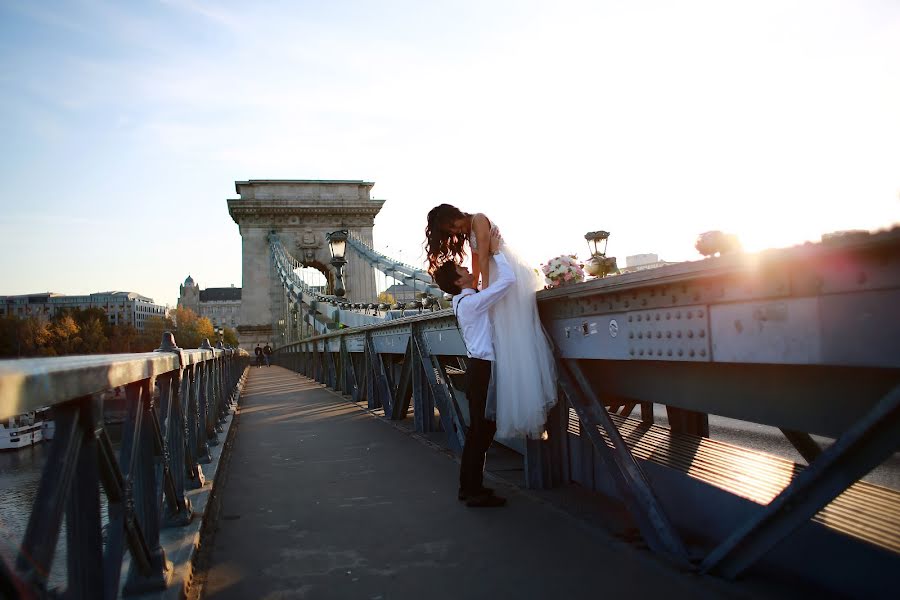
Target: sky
(125,125)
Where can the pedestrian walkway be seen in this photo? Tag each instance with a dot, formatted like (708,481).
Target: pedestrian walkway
(322,499)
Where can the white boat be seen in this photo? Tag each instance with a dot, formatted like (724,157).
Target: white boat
(20,431)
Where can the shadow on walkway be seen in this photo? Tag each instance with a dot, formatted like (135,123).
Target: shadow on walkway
(321,500)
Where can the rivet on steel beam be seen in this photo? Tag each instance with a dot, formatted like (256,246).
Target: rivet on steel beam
(668,316)
(630,335)
(669,334)
(678,314)
(702,333)
(669,352)
(690,333)
(680,352)
(658,334)
(691,352)
(657,316)
(678,334)
(699,314)
(690,314)
(640,335)
(631,352)
(702,352)
(639,317)
(641,353)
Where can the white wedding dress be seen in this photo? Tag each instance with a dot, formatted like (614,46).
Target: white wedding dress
(524,373)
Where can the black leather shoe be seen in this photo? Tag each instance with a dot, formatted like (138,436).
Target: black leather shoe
(486,501)
(484,491)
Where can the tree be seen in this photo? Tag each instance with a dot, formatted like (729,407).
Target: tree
(9,336)
(154,328)
(191,330)
(33,338)
(385,298)
(123,338)
(230,338)
(64,335)
(93,337)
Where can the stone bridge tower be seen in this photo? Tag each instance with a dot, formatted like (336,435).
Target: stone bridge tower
(302,212)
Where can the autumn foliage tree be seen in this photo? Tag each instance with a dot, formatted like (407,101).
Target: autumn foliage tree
(88,332)
(191,330)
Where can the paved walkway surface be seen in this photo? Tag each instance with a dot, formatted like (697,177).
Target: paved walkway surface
(322,499)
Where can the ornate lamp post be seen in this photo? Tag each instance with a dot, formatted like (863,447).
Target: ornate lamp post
(599,265)
(337,243)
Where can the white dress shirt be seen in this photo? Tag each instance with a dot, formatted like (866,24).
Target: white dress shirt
(473,314)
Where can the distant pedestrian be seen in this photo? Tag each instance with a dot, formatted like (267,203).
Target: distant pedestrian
(267,352)
(258,351)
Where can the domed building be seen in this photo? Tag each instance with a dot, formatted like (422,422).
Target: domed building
(189,295)
(222,306)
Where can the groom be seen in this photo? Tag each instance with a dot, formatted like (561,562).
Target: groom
(475,325)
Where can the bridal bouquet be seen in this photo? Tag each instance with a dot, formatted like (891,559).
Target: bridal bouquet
(562,270)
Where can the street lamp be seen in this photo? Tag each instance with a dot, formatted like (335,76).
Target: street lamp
(599,265)
(337,242)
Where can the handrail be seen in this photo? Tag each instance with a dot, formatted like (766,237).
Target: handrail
(176,403)
(32,383)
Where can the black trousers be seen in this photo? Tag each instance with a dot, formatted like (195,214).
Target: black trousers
(481,431)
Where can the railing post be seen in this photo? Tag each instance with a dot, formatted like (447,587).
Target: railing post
(203,384)
(423,401)
(84,537)
(39,545)
(141,488)
(172,428)
(212,394)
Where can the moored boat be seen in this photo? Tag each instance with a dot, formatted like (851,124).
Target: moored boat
(20,431)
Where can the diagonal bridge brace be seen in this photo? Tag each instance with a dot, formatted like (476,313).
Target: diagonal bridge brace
(631,482)
(438,383)
(865,445)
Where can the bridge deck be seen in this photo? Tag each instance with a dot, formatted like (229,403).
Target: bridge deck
(321,499)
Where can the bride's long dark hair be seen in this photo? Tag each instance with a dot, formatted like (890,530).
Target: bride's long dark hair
(440,244)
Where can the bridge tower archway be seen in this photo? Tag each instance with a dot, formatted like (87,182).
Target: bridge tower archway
(302,212)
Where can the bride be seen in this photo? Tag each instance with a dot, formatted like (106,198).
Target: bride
(524,372)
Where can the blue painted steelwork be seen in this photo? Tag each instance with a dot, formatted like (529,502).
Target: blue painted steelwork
(865,446)
(160,455)
(804,339)
(629,477)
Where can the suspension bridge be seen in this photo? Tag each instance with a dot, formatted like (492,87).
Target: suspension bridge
(332,474)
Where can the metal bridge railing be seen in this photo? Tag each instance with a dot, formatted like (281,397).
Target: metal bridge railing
(804,340)
(176,402)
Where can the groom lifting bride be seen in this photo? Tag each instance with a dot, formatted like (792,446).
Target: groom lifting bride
(472,313)
(508,350)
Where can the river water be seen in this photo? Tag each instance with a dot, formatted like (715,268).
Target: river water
(20,474)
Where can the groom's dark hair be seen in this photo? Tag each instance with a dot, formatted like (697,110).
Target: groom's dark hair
(445,276)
